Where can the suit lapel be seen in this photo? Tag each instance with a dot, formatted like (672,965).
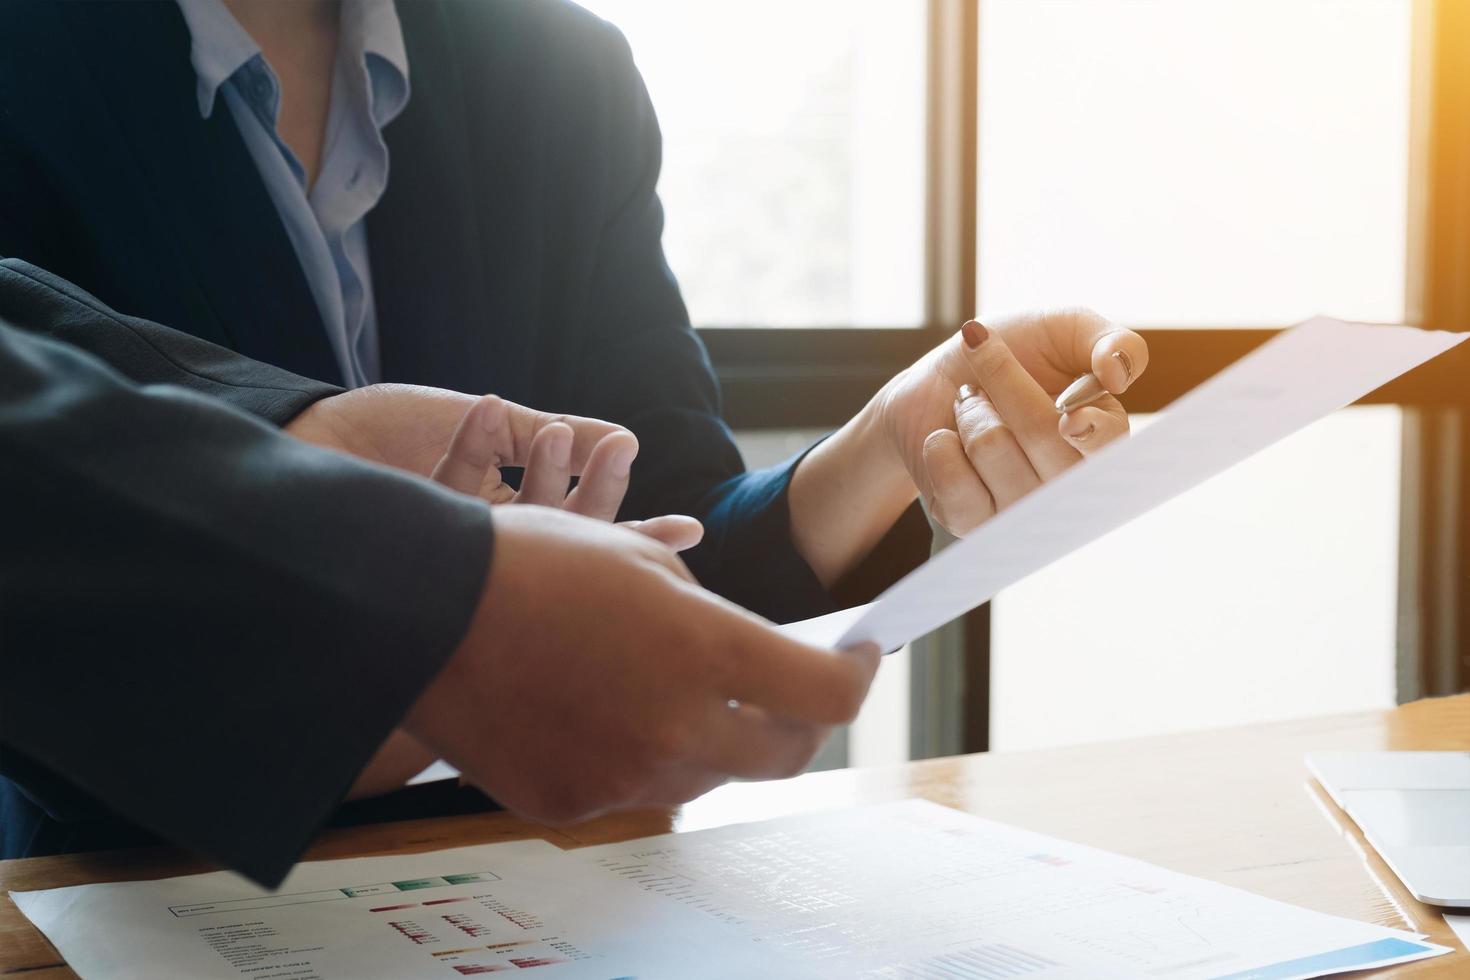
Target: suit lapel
(200,175)
(453,240)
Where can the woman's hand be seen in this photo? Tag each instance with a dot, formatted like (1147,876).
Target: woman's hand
(409,427)
(971,427)
(463,442)
(975,423)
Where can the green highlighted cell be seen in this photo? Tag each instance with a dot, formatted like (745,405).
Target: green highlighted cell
(417,883)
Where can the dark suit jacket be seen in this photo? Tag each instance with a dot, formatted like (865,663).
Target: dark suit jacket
(184,590)
(517,249)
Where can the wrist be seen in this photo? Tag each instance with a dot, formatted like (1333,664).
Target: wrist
(433,718)
(315,424)
(303,419)
(846,494)
(875,438)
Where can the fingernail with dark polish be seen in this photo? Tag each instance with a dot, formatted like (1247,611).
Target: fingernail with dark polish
(974,334)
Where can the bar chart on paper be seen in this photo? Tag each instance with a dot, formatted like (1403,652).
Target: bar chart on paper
(466,912)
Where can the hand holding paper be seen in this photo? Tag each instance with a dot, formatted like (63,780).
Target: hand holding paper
(1295,379)
(975,422)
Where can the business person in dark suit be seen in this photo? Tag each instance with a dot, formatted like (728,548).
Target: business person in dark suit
(208,628)
(223,166)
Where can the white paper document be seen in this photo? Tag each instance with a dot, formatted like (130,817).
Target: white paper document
(916,890)
(465,912)
(898,890)
(1306,373)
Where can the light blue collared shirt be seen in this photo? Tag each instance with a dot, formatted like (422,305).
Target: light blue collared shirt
(325,223)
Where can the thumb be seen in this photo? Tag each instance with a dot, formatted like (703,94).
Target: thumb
(675,530)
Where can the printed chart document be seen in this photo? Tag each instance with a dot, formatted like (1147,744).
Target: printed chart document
(913,889)
(466,912)
(1297,378)
(898,890)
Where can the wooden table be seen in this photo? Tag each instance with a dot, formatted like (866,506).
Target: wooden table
(1235,805)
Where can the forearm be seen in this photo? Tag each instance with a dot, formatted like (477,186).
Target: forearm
(845,495)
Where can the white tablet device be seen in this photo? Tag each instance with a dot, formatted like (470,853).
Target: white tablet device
(1414,808)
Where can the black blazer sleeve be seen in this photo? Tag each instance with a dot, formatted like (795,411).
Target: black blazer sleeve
(148,353)
(205,626)
(645,367)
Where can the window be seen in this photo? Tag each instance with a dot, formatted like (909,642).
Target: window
(1266,593)
(1208,164)
(793,178)
(1195,162)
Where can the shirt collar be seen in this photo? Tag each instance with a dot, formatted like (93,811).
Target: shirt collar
(371,27)
(219,47)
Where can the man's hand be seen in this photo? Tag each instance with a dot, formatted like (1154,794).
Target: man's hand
(596,675)
(974,422)
(484,437)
